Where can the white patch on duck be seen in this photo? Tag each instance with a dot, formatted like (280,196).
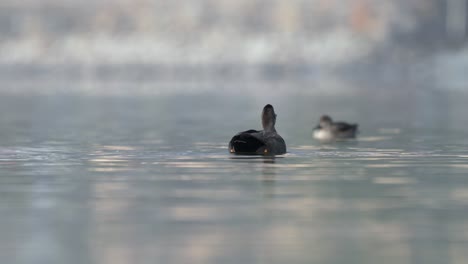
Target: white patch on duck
(322,134)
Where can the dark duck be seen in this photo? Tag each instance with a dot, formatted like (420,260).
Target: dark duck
(263,142)
(327,130)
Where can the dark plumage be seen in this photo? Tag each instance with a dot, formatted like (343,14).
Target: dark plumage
(263,142)
(329,130)
(246,142)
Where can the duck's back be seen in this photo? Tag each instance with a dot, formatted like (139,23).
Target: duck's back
(345,130)
(247,142)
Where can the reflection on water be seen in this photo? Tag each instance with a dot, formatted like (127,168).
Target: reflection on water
(141,183)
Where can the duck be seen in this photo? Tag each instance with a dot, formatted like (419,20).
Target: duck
(327,130)
(259,142)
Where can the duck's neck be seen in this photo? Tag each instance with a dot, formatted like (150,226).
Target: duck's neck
(269,128)
(268,120)
(325,125)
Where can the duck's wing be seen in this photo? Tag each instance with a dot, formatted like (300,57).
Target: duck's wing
(247,142)
(344,129)
(343,126)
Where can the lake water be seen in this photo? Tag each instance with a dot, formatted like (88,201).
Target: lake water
(150,180)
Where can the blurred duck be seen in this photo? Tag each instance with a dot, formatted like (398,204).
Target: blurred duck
(328,130)
(263,142)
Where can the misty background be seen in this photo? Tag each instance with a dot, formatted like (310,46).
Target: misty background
(144,46)
(116,118)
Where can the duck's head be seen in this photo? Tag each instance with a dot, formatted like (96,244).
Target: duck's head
(325,121)
(268,118)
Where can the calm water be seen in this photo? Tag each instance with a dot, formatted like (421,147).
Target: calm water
(149,180)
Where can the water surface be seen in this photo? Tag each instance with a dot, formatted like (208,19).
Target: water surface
(150,180)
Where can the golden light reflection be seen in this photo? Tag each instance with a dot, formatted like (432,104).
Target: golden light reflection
(116,147)
(372,139)
(206,193)
(111,197)
(460,195)
(393,180)
(108,159)
(110,204)
(200,248)
(109,169)
(111,160)
(464,166)
(196,213)
(387,165)
(284,240)
(114,254)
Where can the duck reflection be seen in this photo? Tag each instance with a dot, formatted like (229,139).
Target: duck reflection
(268,170)
(268,177)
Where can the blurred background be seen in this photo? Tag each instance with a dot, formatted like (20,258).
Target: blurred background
(104,46)
(116,114)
